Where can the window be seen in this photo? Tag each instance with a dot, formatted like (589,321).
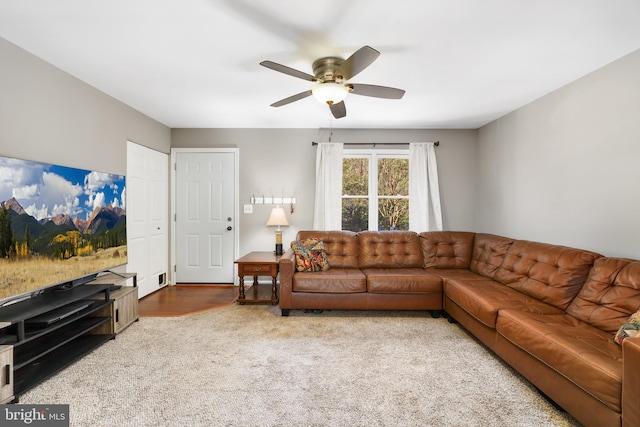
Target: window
(375,190)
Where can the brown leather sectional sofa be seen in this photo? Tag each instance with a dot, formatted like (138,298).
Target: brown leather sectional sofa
(549,311)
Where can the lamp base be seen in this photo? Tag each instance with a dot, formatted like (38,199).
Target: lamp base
(279,249)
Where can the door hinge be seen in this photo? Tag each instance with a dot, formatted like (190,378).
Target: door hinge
(175,268)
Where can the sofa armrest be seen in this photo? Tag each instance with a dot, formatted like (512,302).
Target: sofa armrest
(286,268)
(630,382)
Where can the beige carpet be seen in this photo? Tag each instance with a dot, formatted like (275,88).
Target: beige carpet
(248,366)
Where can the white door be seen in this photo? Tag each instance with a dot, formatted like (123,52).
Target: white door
(147,217)
(205,197)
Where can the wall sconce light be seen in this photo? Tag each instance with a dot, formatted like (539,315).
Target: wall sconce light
(278,219)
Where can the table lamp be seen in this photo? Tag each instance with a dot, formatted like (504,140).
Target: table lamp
(278,218)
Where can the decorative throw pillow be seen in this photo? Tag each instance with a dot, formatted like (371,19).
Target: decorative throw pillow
(310,255)
(630,329)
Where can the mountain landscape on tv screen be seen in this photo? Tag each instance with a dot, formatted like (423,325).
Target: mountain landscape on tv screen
(59,249)
(58,224)
(63,237)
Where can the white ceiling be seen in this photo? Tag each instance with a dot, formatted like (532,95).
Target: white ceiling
(195,63)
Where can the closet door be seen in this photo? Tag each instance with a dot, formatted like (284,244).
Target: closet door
(147,217)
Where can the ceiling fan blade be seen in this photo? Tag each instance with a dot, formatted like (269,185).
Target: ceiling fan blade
(357,62)
(292,98)
(288,70)
(377,91)
(338,110)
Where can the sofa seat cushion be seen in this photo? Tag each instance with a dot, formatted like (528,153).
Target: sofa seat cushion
(483,299)
(584,355)
(334,280)
(455,273)
(401,280)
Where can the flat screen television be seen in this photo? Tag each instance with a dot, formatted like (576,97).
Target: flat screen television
(59,226)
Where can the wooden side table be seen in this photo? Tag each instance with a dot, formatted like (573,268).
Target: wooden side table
(258,264)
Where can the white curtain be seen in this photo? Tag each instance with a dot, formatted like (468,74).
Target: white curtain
(425,213)
(327,213)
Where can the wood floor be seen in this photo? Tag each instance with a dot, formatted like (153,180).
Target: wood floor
(180,300)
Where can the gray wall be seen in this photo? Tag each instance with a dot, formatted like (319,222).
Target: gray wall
(50,116)
(281,162)
(565,168)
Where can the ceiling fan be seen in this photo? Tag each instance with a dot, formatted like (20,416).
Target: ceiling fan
(330,75)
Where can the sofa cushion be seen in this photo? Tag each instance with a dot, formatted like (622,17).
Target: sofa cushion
(446,249)
(610,294)
(553,274)
(401,280)
(455,273)
(484,298)
(585,355)
(488,253)
(389,249)
(341,247)
(310,255)
(335,280)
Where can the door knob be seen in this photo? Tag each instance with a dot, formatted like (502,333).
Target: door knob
(229,228)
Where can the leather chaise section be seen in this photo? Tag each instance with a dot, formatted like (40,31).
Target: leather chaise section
(586,356)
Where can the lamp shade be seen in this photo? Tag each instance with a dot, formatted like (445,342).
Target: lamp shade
(330,93)
(277,218)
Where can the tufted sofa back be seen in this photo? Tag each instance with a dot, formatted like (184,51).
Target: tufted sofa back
(488,253)
(389,249)
(446,249)
(550,273)
(341,246)
(610,295)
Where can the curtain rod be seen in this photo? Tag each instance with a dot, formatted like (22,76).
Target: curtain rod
(437,143)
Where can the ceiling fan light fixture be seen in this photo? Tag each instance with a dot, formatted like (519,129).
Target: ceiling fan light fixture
(330,93)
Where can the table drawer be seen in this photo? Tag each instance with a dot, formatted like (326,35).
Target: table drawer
(256,268)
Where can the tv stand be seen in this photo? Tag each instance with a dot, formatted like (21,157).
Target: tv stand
(121,276)
(124,310)
(40,349)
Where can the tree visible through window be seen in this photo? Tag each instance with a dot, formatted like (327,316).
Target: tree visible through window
(375,190)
